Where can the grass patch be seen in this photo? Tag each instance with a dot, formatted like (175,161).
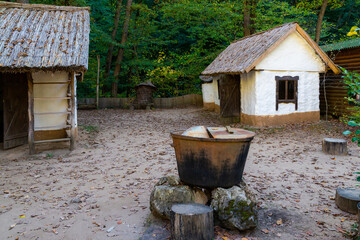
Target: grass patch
(89,128)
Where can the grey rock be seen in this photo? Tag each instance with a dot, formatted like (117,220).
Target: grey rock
(76,200)
(234,208)
(169,191)
(169,180)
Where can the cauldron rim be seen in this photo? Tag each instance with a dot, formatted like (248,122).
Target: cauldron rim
(178,134)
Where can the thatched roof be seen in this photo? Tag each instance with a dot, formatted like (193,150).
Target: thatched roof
(147,84)
(243,55)
(43,37)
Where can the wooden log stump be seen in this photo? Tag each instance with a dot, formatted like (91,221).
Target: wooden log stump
(347,199)
(192,221)
(334,146)
(358,217)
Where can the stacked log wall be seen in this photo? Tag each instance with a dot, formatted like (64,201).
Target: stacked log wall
(335,90)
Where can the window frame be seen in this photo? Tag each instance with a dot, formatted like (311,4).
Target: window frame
(295,79)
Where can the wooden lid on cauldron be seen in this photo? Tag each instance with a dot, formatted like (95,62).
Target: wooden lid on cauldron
(218,132)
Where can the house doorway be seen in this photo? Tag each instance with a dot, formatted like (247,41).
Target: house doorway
(229,89)
(13,110)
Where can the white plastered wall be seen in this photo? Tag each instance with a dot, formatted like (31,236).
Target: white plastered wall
(293,54)
(50,90)
(210,91)
(247,89)
(265,94)
(293,57)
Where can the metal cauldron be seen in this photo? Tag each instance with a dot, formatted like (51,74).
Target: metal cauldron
(214,158)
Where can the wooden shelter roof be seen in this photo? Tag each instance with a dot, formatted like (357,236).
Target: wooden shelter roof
(352,43)
(244,54)
(43,37)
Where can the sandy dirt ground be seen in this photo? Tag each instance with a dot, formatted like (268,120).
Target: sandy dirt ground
(102,189)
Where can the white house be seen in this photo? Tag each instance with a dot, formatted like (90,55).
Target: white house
(43,49)
(268,78)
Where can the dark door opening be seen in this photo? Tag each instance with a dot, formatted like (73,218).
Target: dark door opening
(1,113)
(230,105)
(14,109)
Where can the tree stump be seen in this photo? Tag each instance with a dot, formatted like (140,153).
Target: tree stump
(347,199)
(334,146)
(192,221)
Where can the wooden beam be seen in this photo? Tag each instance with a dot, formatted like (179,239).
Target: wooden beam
(318,50)
(31,114)
(73,110)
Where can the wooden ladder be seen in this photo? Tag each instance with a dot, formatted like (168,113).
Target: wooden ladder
(68,126)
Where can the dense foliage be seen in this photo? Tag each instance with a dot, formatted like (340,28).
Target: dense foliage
(352,82)
(171,41)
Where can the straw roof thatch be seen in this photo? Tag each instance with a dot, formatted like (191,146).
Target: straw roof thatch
(43,37)
(243,55)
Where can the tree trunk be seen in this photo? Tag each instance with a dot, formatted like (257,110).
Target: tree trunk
(121,51)
(319,20)
(249,17)
(113,36)
(191,221)
(253,16)
(246,18)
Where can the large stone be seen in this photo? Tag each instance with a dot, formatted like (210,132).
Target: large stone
(234,208)
(169,191)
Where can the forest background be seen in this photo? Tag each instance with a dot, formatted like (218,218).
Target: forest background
(170,42)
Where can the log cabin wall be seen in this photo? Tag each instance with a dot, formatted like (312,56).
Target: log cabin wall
(335,90)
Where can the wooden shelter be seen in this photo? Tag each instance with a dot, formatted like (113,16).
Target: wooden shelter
(332,90)
(144,95)
(43,49)
(268,78)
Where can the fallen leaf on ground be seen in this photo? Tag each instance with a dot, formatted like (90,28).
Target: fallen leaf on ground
(279,222)
(22,216)
(265,231)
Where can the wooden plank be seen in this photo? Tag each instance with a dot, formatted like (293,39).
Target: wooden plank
(50,113)
(53,140)
(31,114)
(68,82)
(52,127)
(52,98)
(72,116)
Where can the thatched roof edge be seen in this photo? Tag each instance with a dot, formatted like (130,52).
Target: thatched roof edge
(42,7)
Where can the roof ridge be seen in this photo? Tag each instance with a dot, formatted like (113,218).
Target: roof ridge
(42,7)
(259,33)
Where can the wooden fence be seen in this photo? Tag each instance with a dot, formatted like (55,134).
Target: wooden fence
(174,102)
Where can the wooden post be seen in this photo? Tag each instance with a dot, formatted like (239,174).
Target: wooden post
(191,221)
(72,115)
(334,146)
(30,114)
(97,82)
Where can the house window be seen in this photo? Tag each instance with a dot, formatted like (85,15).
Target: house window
(286,90)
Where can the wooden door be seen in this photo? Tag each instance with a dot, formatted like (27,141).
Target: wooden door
(15,109)
(230,96)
